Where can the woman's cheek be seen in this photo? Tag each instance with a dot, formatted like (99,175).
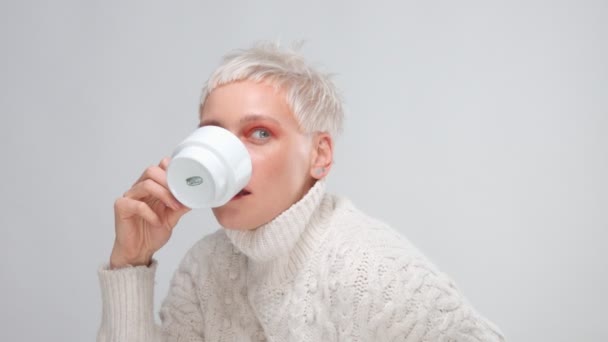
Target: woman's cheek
(267,159)
(261,166)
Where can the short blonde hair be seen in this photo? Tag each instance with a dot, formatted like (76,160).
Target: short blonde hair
(311,95)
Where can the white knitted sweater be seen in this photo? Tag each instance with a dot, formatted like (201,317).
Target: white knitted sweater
(320,271)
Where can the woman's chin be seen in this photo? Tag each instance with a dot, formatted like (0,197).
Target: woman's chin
(245,214)
(237,226)
(231,219)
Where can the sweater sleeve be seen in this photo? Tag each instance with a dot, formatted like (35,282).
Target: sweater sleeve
(127,306)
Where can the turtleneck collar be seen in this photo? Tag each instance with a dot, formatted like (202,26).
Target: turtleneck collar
(285,234)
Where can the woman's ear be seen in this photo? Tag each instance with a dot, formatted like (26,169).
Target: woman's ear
(322,155)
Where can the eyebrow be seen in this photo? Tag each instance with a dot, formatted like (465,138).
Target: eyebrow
(246,119)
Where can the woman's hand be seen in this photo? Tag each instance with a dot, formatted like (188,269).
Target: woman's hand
(144,218)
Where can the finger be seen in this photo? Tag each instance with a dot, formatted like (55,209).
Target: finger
(164,163)
(156,173)
(127,208)
(151,188)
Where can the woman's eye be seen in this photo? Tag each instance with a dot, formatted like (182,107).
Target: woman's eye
(260,134)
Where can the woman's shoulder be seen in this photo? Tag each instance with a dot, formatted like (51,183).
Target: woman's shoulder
(362,243)
(365,233)
(375,268)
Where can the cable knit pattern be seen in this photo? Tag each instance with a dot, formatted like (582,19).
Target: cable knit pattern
(320,271)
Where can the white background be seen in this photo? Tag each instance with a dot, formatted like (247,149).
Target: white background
(478,129)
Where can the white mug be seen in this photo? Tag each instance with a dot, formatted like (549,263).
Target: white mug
(208,168)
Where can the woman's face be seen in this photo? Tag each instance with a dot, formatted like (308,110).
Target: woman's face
(280,152)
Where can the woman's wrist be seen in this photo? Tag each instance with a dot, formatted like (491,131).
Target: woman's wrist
(118,261)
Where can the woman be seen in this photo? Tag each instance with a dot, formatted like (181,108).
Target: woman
(291,262)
